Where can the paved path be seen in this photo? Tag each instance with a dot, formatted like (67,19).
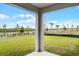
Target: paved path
(44,53)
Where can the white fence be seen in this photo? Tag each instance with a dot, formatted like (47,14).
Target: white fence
(17,33)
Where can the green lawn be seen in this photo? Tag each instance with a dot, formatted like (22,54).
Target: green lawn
(62,45)
(19,45)
(23,45)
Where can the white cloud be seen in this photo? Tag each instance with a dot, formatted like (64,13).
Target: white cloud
(26,21)
(24,16)
(21,15)
(11,23)
(54,21)
(28,15)
(31,20)
(19,22)
(4,16)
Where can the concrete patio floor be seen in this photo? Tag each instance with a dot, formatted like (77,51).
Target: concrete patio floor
(44,53)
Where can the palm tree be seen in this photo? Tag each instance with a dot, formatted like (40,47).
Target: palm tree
(51,24)
(4,28)
(17,27)
(67,27)
(72,26)
(57,26)
(28,29)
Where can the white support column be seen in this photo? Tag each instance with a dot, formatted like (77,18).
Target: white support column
(39,33)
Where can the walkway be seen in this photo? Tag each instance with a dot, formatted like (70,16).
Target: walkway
(44,53)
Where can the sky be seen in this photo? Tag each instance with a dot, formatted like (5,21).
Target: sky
(62,17)
(11,16)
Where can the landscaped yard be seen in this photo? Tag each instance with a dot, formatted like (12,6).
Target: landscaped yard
(62,45)
(19,45)
(23,45)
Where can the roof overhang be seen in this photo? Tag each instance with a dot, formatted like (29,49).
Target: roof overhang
(45,8)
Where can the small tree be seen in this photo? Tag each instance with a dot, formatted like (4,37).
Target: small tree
(22,30)
(57,26)
(51,24)
(67,26)
(72,27)
(17,28)
(64,28)
(77,28)
(4,29)
(46,29)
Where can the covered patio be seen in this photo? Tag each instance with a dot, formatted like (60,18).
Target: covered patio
(41,8)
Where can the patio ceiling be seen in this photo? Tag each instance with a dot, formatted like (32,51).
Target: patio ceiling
(44,7)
